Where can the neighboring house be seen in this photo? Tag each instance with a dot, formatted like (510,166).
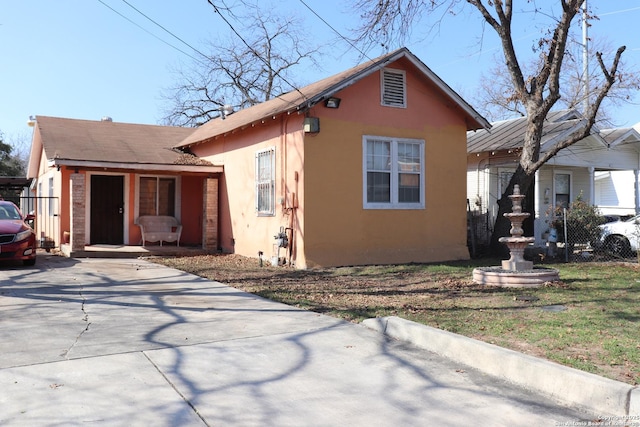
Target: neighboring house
(363,167)
(616,191)
(573,172)
(94,178)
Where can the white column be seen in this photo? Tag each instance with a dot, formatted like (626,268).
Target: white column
(538,225)
(592,187)
(636,190)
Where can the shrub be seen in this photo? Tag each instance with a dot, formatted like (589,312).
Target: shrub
(583,222)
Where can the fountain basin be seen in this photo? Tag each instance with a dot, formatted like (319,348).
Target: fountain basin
(497,276)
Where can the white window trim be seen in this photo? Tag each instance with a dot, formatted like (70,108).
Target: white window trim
(272,207)
(393,204)
(404,87)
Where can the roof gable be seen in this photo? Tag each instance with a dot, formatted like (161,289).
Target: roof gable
(620,136)
(308,96)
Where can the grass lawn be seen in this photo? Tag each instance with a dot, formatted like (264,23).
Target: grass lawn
(590,320)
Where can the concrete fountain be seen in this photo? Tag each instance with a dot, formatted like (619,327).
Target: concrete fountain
(515,271)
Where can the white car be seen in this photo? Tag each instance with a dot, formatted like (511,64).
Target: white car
(621,238)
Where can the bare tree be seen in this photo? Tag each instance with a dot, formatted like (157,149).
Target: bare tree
(251,66)
(497,100)
(538,92)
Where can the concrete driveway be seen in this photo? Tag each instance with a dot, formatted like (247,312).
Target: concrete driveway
(127,342)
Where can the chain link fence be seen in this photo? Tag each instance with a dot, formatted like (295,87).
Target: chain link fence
(581,234)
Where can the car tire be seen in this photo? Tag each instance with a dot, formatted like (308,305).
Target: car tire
(29,262)
(618,246)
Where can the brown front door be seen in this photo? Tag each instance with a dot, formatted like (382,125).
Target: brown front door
(107,209)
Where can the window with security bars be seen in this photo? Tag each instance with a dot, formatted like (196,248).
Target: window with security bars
(393,173)
(265,182)
(157,196)
(393,88)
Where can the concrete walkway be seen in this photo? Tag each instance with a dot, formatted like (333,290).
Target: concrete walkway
(124,342)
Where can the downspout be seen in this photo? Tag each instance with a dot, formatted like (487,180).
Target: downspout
(283,167)
(288,207)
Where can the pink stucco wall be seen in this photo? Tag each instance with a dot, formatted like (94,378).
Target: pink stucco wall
(241,229)
(324,172)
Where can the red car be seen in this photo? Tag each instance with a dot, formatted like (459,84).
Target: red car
(17,238)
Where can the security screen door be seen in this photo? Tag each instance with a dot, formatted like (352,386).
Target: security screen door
(107,209)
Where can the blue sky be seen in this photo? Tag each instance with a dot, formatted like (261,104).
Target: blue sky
(79,59)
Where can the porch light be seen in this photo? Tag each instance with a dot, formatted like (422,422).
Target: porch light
(332,102)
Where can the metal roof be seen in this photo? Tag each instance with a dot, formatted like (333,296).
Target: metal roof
(509,134)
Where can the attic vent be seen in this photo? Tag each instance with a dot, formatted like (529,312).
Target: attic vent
(393,88)
(106,119)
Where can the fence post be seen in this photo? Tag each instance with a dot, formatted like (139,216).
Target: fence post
(566,239)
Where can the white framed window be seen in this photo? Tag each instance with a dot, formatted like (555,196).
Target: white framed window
(393,173)
(51,202)
(266,182)
(393,88)
(562,189)
(40,194)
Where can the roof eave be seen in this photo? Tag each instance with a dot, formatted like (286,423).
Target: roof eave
(135,166)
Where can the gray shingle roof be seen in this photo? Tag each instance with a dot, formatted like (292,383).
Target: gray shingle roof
(88,140)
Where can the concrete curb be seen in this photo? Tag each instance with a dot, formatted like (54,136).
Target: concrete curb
(593,393)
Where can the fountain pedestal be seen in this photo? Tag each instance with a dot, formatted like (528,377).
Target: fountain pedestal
(517,247)
(516,243)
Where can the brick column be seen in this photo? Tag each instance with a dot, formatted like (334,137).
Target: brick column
(78,211)
(210,214)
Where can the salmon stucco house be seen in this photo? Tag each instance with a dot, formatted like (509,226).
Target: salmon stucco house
(364,167)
